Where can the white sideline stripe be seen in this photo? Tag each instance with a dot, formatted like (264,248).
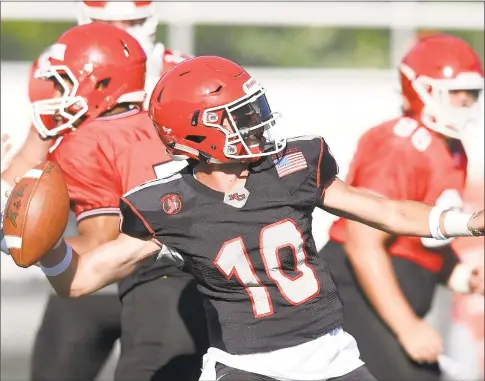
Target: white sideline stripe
(13,242)
(33,173)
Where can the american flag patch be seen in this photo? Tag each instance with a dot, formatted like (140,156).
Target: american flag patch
(290,163)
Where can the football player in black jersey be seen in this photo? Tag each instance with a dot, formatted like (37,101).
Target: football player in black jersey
(239,219)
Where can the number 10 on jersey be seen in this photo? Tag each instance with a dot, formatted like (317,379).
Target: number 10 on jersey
(233,260)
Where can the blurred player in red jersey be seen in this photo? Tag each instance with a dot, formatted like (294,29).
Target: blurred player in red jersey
(386,282)
(136,17)
(146,353)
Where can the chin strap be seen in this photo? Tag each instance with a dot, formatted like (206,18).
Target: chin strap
(192,151)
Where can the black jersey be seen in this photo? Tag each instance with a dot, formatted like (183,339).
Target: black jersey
(251,250)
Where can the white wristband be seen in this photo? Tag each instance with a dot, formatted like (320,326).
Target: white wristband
(58,243)
(61,266)
(434,222)
(460,279)
(456,224)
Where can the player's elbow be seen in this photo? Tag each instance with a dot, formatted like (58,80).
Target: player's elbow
(76,292)
(81,284)
(364,245)
(86,286)
(71,291)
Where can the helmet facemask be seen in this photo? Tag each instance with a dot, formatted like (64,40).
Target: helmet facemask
(70,107)
(248,125)
(439,114)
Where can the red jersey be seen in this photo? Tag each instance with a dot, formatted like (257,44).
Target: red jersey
(95,161)
(402,160)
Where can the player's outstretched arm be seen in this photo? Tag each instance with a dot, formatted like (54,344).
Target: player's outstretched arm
(403,217)
(73,275)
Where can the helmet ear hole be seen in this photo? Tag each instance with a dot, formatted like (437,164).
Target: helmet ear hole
(103,84)
(196,138)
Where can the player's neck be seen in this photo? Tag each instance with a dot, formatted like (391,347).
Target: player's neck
(221,177)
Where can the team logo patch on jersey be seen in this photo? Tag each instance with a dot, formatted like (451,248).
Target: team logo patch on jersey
(237,198)
(293,161)
(171,203)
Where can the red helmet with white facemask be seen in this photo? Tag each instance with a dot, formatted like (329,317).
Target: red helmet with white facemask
(435,66)
(211,109)
(141,13)
(98,66)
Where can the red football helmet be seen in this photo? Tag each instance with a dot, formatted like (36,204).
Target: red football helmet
(143,11)
(433,67)
(106,67)
(209,108)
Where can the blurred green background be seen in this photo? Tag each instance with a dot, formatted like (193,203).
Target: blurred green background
(252,46)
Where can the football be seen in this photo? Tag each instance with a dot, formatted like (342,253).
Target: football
(36,214)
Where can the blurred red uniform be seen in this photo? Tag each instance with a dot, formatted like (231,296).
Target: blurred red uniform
(402,160)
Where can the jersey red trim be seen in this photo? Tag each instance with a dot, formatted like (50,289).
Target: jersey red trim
(98,212)
(322,147)
(138,214)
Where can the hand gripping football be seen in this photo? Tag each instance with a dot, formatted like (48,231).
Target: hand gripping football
(36,214)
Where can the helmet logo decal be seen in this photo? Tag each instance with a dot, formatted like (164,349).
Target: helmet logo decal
(211,117)
(251,86)
(231,150)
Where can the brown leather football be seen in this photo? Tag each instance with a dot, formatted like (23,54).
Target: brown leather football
(36,214)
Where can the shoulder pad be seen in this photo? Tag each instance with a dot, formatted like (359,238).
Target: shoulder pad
(162,180)
(140,208)
(318,157)
(313,148)
(132,221)
(84,141)
(305,164)
(419,137)
(166,170)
